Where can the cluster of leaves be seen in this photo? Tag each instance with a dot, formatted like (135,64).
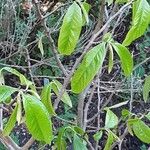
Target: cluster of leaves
(36,110)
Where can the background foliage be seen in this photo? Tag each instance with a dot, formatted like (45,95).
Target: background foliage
(105,105)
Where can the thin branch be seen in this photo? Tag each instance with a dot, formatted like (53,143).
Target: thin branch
(11,145)
(28,144)
(87,106)
(54,50)
(81,106)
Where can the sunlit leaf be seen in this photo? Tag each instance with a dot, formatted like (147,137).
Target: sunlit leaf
(6,92)
(140,22)
(78,143)
(146,89)
(125,58)
(142,131)
(46,98)
(97,136)
(56,86)
(111,119)
(109,141)
(85,9)
(70,30)
(89,67)
(23,79)
(37,119)
(148,116)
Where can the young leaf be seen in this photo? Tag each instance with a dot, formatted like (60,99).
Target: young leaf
(56,86)
(22,78)
(70,30)
(37,119)
(111,57)
(40,46)
(129,127)
(98,135)
(111,119)
(11,70)
(141,20)
(125,113)
(11,122)
(146,89)
(142,131)
(85,9)
(5,92)
(78,143)
(61,144)
(107,38)
(130,122)
(109,142)
(79,130)
(88,68)
(46,98)
(125,57)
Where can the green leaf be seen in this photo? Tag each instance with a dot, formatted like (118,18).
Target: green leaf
(37,119)
(107,38)
(11,122)
(111,57)
(56,86)
(70,30)
(85,9)
(125,113)
(46,98)
(125,57)
(111,119)
(148,116)
(135,8)
(130,122)
(78,143)
(98,135)
(109,142)
(146,89)
(89,67)
(109,2)
(129,127)
(5,92)
(61,144)
(142,131)
(40,46)
(23,79)
(141,20)
(11,70)
(79,130)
